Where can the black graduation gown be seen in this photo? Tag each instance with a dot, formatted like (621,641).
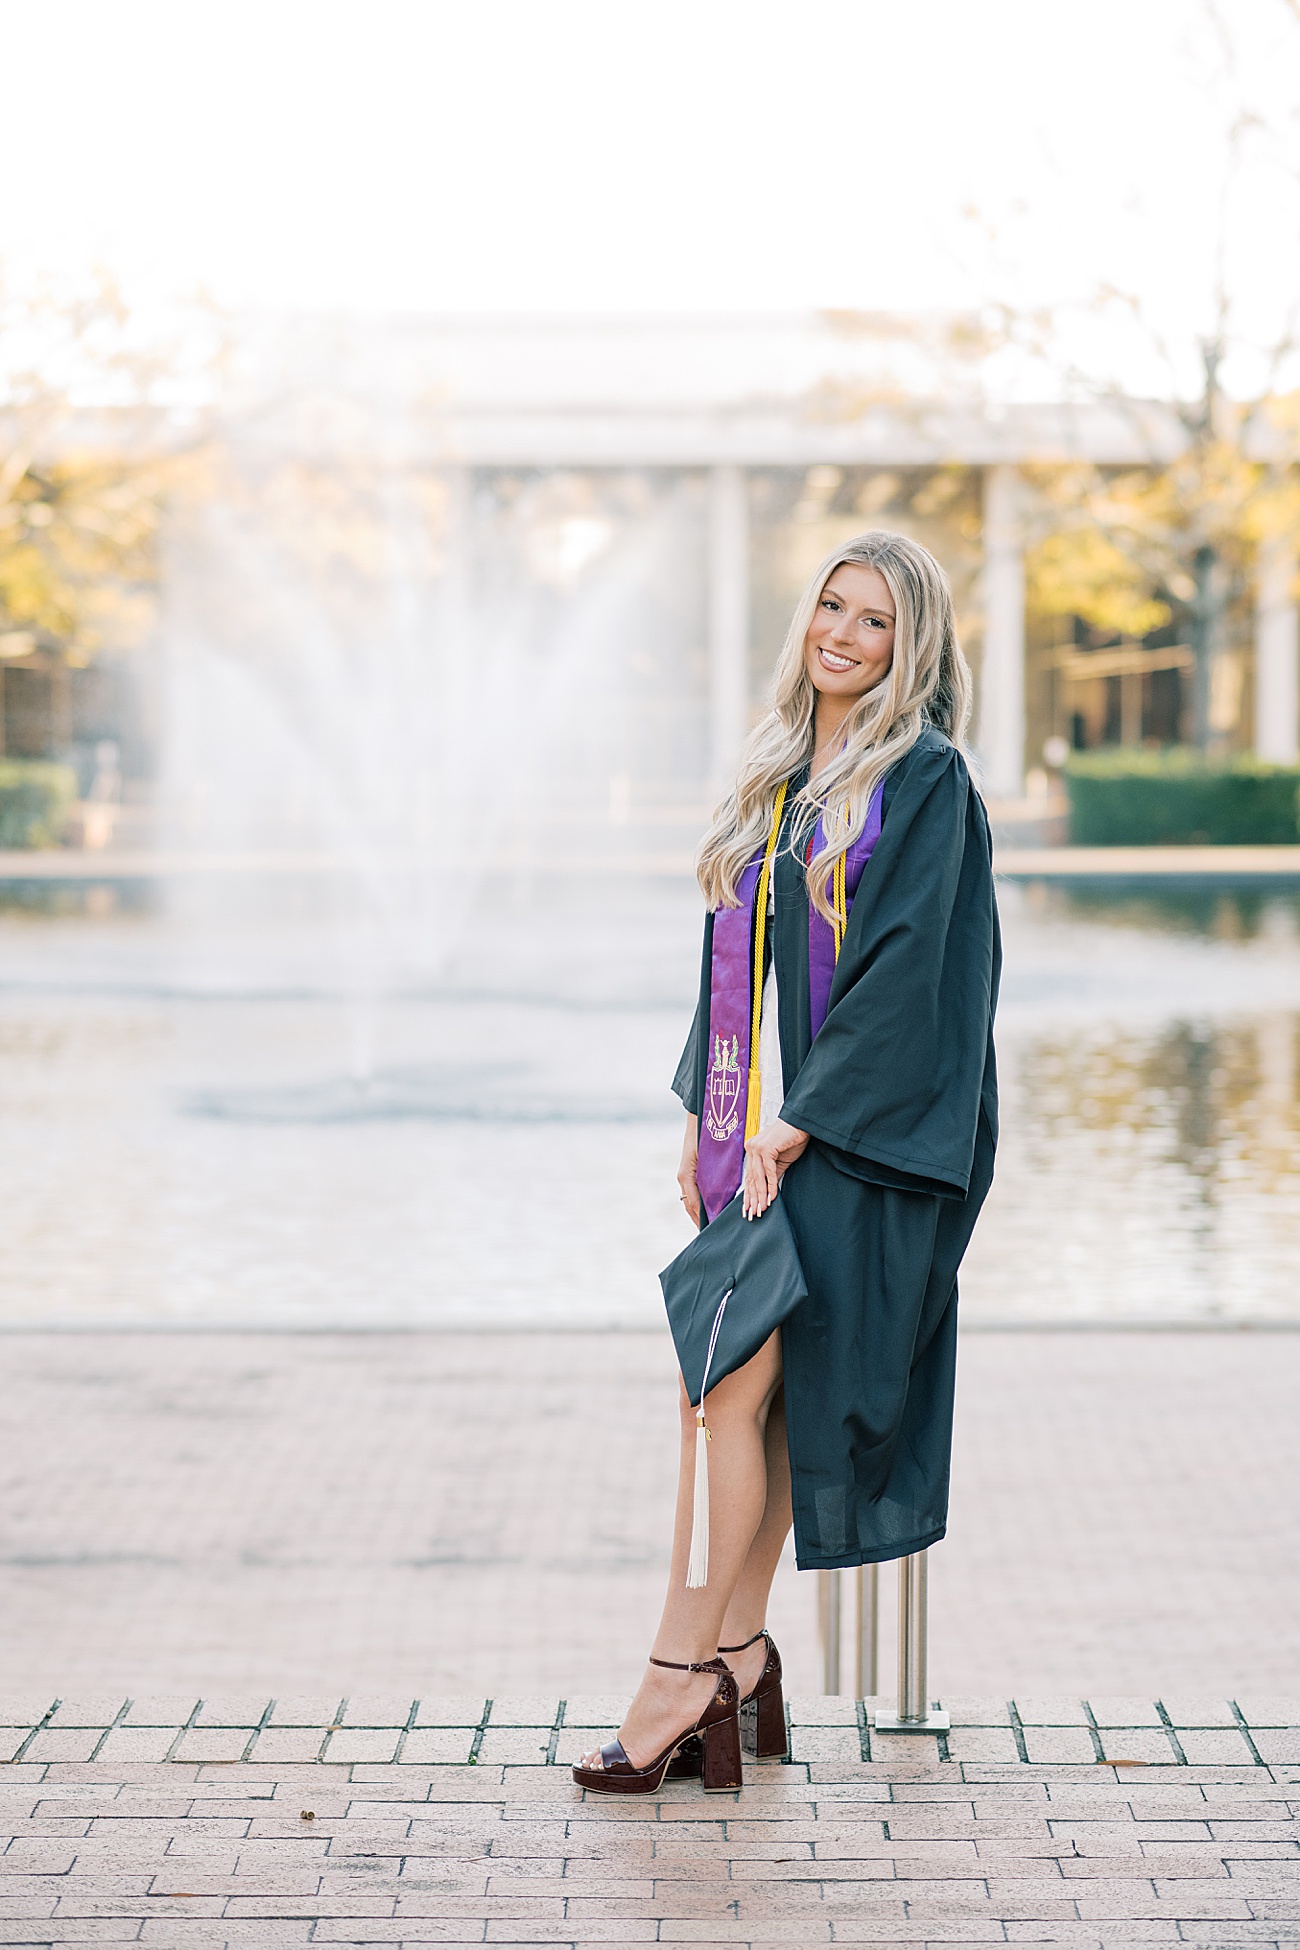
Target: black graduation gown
(899,1094)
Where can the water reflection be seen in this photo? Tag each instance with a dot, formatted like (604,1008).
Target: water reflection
(1150,1164)
(1220,1100)
(186,1133)
(1243,912)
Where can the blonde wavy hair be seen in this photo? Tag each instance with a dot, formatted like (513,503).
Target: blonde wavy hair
(928,683)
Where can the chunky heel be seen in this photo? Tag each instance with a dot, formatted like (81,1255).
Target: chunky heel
(762,1717)
(762,1711)
(762,1725)
(720,1765)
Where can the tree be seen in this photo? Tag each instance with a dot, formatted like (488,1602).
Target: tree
(1189,526)
(1121,546)
(81,479)
(1209,397)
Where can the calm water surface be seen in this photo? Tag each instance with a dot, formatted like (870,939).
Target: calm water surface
(241,1118)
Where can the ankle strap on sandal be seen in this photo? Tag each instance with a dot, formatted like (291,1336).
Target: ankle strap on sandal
(761,1633)
(672,1665)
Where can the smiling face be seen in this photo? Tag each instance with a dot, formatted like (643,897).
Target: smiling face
(850,642)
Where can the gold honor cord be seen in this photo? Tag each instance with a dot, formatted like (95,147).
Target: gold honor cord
(754,1095)
(840,901)
(840,904)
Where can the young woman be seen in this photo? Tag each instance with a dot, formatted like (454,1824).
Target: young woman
(851,863)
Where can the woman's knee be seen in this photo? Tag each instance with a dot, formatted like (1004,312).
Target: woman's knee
(751,1389)
(764,1372)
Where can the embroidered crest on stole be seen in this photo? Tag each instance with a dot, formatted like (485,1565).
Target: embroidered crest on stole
(723,1114)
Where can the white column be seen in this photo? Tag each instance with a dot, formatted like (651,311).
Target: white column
(453,762)
(728,619)
(1277,657)
(1001,721)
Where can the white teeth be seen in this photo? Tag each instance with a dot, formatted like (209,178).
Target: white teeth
(840,663)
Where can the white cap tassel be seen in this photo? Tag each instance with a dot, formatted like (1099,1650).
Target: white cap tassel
(697,1569)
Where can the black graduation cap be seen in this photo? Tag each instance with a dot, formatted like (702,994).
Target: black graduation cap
(750,1265)
(725,1294)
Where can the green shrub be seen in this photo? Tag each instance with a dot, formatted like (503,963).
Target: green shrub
(1176,798)
(35,800)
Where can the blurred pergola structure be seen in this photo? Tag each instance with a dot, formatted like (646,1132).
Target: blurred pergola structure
(728,395)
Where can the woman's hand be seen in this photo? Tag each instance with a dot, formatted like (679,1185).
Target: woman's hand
(686,1170)
(768,1156)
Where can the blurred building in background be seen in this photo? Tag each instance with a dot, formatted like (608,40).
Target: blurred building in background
(441,545)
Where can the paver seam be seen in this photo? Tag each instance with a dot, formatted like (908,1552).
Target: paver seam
(122,1712)
(249,1744)
(1097,1747)
(1246,1734)
(40,1727)
(411,1719)
(1170,1733)
(476,1745)
(181,1732)
(1018,1730)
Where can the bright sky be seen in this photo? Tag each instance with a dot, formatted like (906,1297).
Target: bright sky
(693,155)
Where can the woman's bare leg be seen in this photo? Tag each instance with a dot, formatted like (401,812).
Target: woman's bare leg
(689,1629)
(747,1612)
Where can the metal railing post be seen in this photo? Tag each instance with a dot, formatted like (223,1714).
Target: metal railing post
(868,1650)
(913,1631)
(915,1713)
(828,1613)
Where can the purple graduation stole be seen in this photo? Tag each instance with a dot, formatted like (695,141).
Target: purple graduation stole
(730,1110)
(731,1094)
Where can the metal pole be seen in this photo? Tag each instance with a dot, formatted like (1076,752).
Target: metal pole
(868,1660)
(913,1624)
(915,1713)
(828,1607)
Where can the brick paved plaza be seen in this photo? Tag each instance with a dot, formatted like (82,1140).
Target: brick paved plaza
(381,1578)
(423,1513)
(1130,1822)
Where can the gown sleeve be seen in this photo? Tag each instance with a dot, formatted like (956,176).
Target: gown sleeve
(684,1082)
(893,1081)
(688,1083)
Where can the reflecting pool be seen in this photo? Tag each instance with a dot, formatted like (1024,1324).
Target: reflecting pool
(1150,1158)
(255,1113)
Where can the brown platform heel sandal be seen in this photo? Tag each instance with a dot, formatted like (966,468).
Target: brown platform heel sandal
(717,1732)
(761,1712)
